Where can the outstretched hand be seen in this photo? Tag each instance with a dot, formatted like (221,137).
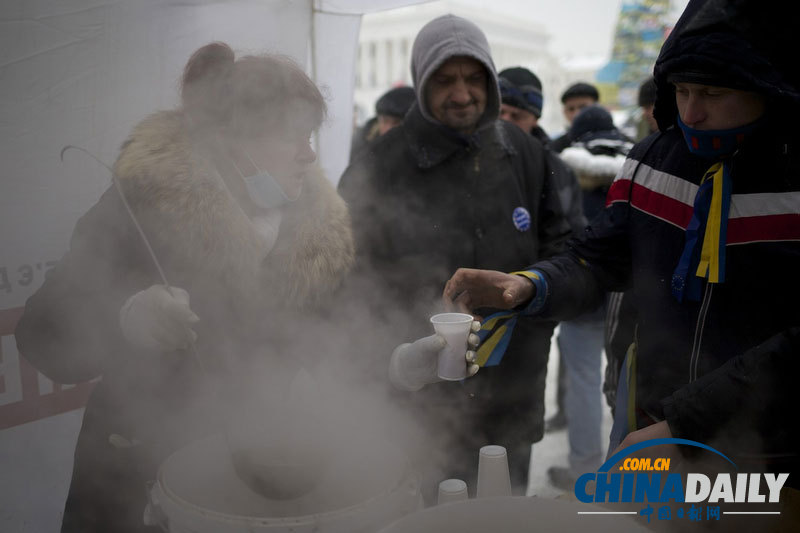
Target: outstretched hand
(471,289)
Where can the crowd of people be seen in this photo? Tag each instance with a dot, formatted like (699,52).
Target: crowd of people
(696,206)
(220,232)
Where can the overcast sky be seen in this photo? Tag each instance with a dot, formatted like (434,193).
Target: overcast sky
(577,28)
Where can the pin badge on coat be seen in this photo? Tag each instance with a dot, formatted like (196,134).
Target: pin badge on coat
(521,218)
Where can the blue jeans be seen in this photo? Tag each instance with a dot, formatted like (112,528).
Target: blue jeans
(619,430)
(580,341)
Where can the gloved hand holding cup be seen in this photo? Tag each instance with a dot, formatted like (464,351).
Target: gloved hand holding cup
(455,328)
(416,364)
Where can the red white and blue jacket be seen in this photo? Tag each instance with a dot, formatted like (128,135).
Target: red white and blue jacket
(699,363)
(722,369)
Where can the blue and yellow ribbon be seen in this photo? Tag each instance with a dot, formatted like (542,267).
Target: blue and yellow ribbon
(495,335)
(497,329)
(709,218)
(712,256)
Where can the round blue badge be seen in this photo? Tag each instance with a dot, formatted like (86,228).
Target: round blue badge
(522,219)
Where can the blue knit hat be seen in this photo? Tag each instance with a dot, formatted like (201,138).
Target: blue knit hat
(519,87)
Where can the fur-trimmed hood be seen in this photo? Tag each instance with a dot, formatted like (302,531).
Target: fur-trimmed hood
(196,226)
(582,161)
(593,166)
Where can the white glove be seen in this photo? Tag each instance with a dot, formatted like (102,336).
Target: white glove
(414,365)
(158,319)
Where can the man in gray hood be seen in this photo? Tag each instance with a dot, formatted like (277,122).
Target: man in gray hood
(451,51)
(456,187)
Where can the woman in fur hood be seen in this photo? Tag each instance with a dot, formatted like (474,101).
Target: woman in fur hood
(226,192)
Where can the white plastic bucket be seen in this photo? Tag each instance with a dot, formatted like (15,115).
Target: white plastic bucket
(197,491)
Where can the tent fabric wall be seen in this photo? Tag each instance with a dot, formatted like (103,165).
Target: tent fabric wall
(84,72)
(336,25)
(334,46)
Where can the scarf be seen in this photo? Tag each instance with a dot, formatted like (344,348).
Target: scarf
(706,258)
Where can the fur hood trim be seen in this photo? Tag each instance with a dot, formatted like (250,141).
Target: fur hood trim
(191,218)
(582,161)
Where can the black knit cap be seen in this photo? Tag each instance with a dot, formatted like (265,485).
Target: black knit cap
(580,89)
(593,121)
(519,87)
(395,102)
(714,77)
(520,76)
(647,92)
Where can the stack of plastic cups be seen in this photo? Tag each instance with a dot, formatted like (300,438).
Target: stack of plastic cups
(452,490)
(493,477)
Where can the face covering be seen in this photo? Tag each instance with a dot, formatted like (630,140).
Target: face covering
(263,189)
(716,143)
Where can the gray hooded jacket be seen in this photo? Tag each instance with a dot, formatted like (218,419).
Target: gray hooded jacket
(439,40)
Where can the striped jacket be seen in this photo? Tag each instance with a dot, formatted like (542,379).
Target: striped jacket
(700,364)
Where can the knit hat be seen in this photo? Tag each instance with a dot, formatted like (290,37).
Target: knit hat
(580,89)
(519,87)
(717,78)
(647,92)
(593,122)
(395,102)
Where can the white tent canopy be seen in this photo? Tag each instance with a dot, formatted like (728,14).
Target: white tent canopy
(83,72)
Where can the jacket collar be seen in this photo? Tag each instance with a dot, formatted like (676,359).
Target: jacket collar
(540,134)
(431,143)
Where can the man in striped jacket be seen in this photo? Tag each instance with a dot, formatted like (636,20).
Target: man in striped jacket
(703,225)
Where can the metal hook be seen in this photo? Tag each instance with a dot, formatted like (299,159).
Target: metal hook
(139,229)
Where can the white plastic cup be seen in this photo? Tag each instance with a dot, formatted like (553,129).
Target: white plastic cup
(455,328)
(452,490)
(493,477)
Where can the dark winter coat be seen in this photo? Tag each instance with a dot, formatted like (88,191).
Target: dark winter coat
(564,182)
(559,143)
(721,370)
(148,405)
(690,364)
(426,201)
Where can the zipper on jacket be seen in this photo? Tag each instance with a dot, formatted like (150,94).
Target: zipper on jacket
(477,164)
(698,332)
